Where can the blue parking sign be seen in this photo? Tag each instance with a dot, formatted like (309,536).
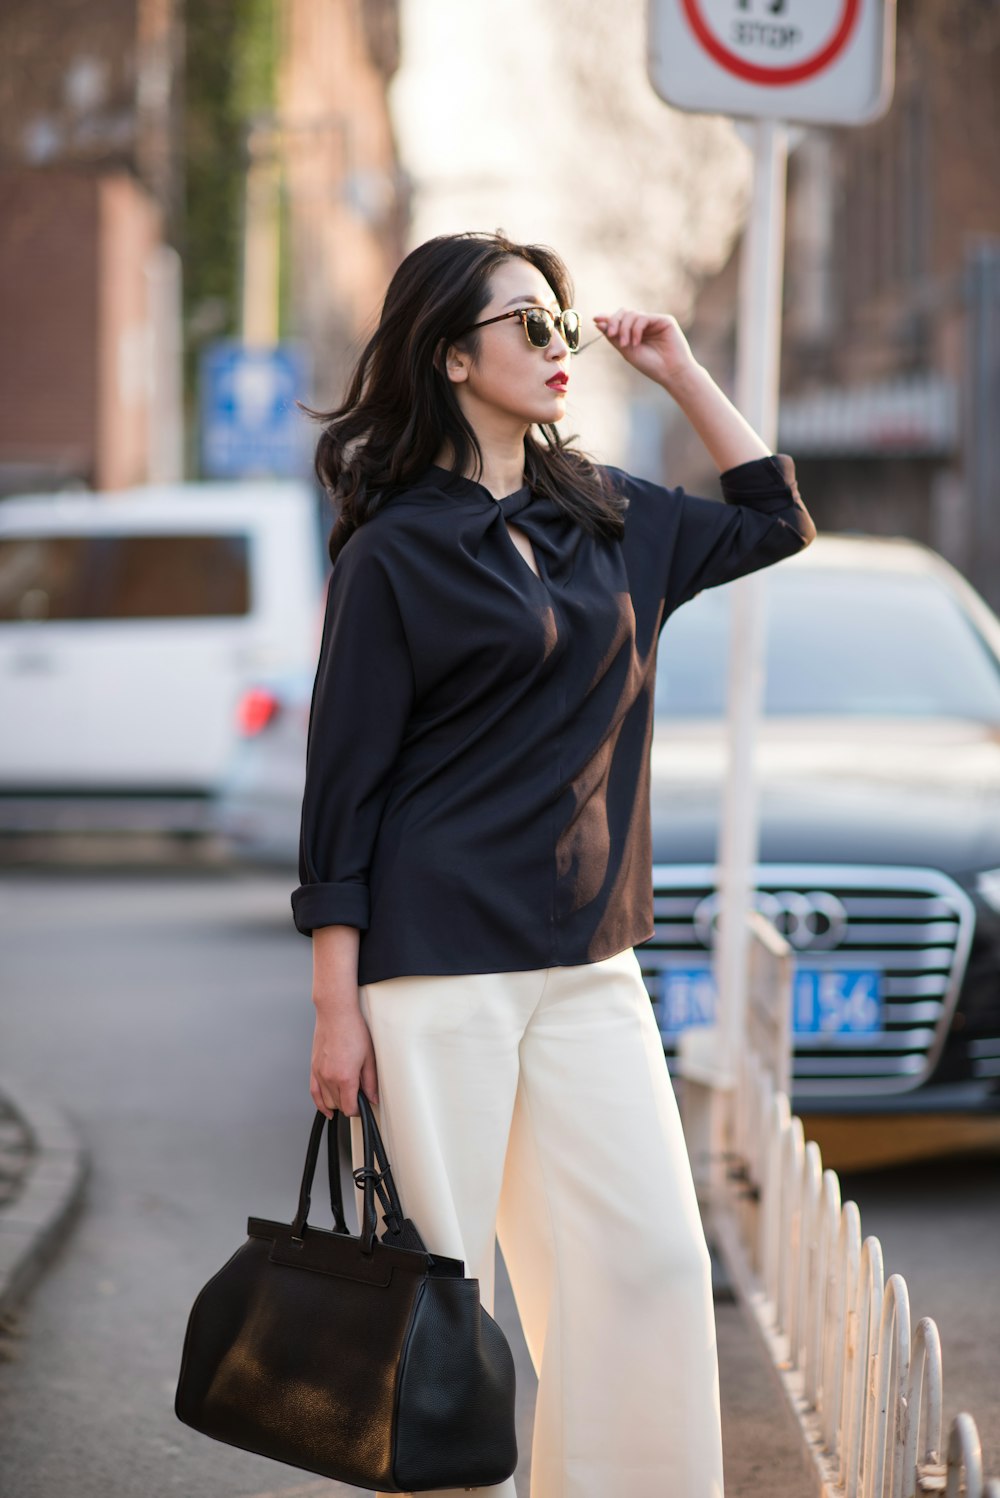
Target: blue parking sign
(250,424)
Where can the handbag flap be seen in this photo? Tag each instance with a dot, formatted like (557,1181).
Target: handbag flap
(329,1252)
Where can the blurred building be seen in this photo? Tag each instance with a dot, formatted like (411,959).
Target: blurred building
(89,192)
(890,371)
(92,194)
(345,196)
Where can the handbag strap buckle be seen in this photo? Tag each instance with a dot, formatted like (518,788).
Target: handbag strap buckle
(393,1218)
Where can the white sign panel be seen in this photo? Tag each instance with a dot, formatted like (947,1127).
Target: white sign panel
(820,61)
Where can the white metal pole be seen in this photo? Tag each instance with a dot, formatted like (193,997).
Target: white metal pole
(165,464)
(757,377)
(260,240)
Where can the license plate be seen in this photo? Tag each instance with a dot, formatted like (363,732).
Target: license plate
(825,1001)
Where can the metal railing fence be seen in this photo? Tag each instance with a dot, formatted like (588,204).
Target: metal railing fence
(864,1383)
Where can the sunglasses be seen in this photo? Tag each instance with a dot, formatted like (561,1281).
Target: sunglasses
(539,324)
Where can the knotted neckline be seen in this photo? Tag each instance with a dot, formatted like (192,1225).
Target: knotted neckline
(457,483)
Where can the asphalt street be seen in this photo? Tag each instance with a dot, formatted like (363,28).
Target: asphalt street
(169,1015)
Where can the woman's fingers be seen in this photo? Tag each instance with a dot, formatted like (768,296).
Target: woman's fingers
(624,328)
(343,1063)
(329,1092)
(611,325)
(319,1096)
(637,324)
(369,1079)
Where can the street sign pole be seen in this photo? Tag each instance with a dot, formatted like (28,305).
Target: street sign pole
(260,240)
(765,63)
(757,377)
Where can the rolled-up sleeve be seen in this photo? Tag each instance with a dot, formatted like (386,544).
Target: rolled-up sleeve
(762,520)
(361,701)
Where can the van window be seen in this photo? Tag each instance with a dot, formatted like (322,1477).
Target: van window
(109,576)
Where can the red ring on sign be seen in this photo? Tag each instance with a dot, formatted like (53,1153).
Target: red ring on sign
(751,71)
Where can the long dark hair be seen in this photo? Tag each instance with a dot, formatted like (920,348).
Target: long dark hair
(400,406)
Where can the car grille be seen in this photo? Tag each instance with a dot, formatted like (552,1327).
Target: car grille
(913,925)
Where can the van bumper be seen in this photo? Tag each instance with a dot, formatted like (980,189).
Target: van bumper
(79,810)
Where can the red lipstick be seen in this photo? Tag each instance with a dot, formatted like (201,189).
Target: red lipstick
(559,380)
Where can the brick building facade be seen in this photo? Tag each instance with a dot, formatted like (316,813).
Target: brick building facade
(345,195)
(73,308)
(892,280)
(89,188)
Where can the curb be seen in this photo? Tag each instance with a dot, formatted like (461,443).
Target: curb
(34,1223)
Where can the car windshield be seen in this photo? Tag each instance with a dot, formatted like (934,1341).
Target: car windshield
(862,643)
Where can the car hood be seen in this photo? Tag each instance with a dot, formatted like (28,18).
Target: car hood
(902,791)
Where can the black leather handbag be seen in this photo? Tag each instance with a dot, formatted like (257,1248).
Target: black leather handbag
(369,1360)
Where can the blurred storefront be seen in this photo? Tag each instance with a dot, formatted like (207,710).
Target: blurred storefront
(89,195)
(253,142)
(891,326)
(75,308)
(321,211)
(345,197)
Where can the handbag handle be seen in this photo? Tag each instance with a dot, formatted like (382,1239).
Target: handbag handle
(339,1167)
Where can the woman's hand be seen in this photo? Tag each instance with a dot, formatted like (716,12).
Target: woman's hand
(652,342)
(343,1058)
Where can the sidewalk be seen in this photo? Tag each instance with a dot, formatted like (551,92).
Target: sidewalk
(761,1443)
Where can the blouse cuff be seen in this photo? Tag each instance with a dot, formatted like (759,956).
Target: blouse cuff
(772,477)
(330,905)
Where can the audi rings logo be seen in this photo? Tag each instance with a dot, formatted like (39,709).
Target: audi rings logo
(813,920)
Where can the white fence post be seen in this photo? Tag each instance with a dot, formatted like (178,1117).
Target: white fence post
(858,1381)
(927,1472)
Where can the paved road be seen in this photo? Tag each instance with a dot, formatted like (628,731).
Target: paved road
(170,1018)
(169,1015)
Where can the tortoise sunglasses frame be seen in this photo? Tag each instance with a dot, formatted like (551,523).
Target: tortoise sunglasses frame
(538,316)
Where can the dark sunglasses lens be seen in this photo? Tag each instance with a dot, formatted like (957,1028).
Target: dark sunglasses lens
(571,329)
(539,328)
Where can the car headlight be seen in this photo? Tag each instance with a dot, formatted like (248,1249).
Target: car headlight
(988,885)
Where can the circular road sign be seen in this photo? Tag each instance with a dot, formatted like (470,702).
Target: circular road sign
(828,61)
(821,32)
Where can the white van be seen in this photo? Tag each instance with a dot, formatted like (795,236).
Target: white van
(130,626)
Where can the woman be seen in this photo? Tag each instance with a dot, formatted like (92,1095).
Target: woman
(476,862)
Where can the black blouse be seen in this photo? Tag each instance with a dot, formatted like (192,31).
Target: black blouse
(477,772)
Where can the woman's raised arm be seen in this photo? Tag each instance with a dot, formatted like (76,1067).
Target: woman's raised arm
(653,343)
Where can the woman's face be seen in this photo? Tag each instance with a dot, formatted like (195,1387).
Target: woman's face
(509,377)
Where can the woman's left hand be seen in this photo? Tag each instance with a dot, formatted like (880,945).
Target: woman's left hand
(652,342)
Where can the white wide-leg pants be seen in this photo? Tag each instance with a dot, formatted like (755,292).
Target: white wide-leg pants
(536,1107)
